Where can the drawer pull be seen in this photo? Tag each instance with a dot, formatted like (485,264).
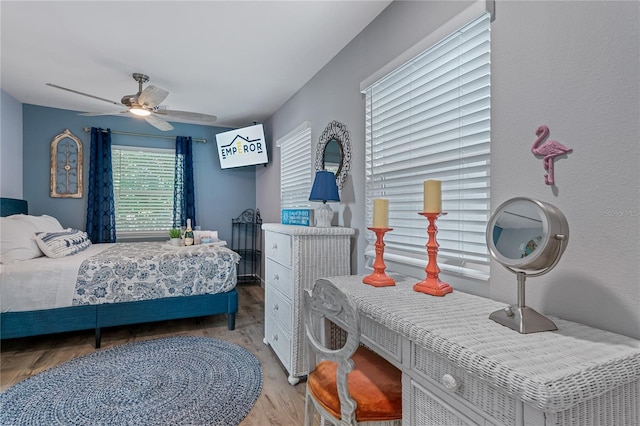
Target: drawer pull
(450,382)
(276,277)
(274,246)
(276,307)
(274,338)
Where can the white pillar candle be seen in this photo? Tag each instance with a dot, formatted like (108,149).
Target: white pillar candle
(432,196)
(380,213)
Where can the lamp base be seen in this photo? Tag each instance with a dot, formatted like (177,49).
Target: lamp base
(324,216)
(523,319)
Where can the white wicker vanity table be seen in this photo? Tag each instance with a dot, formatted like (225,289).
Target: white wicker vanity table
(296,256)
(461,368)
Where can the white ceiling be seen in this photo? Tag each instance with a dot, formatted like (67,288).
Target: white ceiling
(238,60)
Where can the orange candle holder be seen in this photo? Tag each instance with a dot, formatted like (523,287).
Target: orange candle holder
(378,278)
(432,284)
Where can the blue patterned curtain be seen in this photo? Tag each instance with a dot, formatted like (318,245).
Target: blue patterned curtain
(101,214)
(184,203)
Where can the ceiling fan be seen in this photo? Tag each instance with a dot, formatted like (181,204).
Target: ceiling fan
(146,104)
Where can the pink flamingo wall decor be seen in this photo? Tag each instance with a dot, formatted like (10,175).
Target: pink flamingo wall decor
(548,150)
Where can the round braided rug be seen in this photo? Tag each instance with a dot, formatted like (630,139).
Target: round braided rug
(171,381)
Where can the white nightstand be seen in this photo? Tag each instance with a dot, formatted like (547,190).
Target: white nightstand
(296,256)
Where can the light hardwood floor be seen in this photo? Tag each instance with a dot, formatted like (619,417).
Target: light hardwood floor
(279,402)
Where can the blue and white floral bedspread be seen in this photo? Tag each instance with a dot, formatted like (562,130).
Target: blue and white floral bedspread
(141,271)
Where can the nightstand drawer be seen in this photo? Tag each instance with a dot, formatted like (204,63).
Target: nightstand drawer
(279,308)
(279,276)
(463,387)
(278,247)
(278,339)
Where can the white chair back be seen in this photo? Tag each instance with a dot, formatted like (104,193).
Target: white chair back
(327,302)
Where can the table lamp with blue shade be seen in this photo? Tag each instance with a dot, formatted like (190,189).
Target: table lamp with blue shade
(324,189)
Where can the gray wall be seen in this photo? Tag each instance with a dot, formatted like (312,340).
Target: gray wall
(573,66)
(10,146)
(221,195)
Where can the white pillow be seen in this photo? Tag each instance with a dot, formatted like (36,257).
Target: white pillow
(64,243)
(17,239)
(45,223)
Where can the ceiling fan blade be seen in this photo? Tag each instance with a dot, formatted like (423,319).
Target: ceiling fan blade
(95,114)
(186,115)
(152,96)
(158,122)
(84,94)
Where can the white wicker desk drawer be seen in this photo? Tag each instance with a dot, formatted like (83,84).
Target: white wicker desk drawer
(279,308)
(278,247)
(385,341)
(377,337)
(465,388)
(280,277)
(426,408)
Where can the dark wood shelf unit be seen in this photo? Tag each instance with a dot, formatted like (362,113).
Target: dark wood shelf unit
(246,240)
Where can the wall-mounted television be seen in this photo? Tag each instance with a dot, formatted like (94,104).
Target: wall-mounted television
(242,147)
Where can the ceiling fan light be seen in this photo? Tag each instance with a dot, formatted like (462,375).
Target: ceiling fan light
(140,112)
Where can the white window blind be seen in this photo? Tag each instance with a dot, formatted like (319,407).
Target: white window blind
(430,119)
(143,182)
(295,168)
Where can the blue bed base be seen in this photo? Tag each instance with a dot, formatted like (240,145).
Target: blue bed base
(86,317)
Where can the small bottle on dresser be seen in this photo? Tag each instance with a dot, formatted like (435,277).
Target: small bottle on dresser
(188,234)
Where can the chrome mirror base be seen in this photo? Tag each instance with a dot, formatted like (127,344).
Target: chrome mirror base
(523,319)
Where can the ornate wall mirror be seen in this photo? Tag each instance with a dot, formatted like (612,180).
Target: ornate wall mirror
(527,237)
(332,157)
(334,151)
(66,166)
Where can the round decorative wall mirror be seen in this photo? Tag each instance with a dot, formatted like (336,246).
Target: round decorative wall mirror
(334,151)
(528,238)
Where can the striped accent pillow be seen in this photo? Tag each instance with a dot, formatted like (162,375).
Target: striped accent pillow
(64,243)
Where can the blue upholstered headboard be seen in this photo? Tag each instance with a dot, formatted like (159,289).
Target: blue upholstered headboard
(9,206)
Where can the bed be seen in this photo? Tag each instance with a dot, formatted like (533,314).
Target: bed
(111,285)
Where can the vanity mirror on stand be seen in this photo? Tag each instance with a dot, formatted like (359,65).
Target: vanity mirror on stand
(528,238)
(334,151)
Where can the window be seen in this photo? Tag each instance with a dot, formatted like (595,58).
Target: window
(295,168)
(143,180)
(430,119)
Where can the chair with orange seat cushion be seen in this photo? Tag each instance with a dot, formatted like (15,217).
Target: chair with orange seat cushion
(350,385)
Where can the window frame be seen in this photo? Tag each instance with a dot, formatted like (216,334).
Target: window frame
(131,235)
(412,262)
